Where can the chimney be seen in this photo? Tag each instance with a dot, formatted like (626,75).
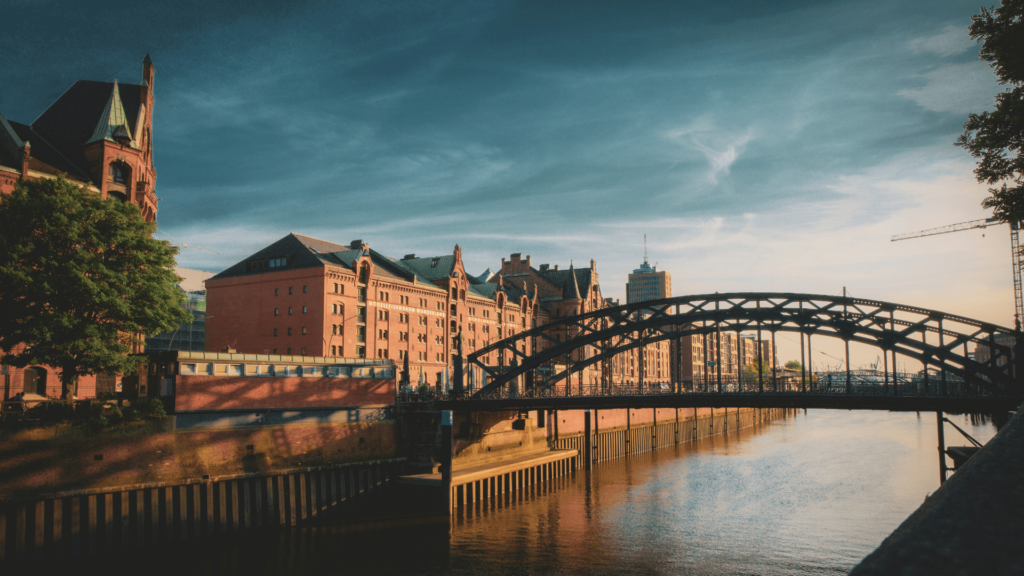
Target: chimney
(545,267)
(355,244)
(593,264)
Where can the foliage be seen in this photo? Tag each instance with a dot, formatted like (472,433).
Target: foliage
(152,407)
(794,365)
(997,138)
(81,281)
(751,369)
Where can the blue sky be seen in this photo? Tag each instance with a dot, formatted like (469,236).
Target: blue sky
(760,146)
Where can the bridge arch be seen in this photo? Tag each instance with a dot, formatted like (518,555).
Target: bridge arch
(937,339)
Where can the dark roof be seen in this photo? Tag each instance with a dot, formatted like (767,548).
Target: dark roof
(44,152)
(435,268)
(70,121)
(302,251)
(561,278)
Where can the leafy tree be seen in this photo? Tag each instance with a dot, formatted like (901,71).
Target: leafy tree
(751,369)
(794,365)
(997,137)
(81,281)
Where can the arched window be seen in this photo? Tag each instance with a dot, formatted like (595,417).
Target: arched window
(364,273)
(119,173)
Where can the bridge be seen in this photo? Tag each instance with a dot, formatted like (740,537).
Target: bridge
(539,368)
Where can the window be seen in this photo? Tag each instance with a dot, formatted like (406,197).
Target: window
(334,350)
(303,330)
(401,354)
(289,310)
(487,313)
(360,351)
(335,287)
(288,351)
(276,311)
(404,300)
(304,288)
(472,327)
(119,173)
(289,289)
(422,321)
(275,332)
(361,314)
(303,309)
(422,338)
(472,311)
(403,318)
(382,334)
(455,293)
(303,351)
(277,291)
(437,323)
(360,333)
(382,353)
(275,350)
(289,331)
(361,294)
(403,336)
(423,302)
(440,306)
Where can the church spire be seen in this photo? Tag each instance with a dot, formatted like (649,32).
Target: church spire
(113,123)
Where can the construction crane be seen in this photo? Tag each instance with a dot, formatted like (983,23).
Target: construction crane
(983,223)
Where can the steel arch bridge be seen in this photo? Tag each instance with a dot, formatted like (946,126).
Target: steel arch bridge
(937,339)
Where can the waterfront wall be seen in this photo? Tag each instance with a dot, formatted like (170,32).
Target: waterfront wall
(249,392)
(77,523)
(505,460)
(57,459)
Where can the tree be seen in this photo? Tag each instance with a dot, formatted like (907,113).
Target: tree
(751,369)
(81,281)
(997,137)
(794,365)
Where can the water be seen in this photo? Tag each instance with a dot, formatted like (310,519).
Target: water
(810,494)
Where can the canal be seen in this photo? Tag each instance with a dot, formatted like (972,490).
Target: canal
(809,494)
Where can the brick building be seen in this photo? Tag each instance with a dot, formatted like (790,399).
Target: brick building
(98,135)
(310,297)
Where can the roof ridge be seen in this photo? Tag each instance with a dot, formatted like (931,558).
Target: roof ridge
(43,113)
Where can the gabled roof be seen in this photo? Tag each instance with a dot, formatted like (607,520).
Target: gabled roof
(302,252)
(581,276)
(72,119)
(485,277)
(571,288)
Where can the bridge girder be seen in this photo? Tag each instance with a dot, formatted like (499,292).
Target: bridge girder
(888,326)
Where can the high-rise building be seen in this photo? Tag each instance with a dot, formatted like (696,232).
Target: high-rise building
(188,336)
(647,283)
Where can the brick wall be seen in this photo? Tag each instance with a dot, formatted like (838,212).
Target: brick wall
(243,392)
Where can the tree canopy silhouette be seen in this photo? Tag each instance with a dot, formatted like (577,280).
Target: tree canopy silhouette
(996,137)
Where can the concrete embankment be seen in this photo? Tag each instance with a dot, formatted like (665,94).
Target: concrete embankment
(971,525)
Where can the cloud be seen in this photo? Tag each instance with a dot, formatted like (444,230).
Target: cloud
(720,150)
(955,88)
(952,40)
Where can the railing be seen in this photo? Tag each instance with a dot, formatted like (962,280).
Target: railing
(822,384)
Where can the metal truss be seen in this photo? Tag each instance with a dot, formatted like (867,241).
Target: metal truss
(939,340)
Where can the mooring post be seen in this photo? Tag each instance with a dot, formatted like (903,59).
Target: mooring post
(588,454)
(446,460)
(942,448)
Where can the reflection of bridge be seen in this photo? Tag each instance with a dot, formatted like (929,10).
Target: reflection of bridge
(953,380)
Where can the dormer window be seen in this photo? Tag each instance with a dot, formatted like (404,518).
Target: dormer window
(118,173)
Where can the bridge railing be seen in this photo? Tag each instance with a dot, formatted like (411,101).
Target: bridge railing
(821,384)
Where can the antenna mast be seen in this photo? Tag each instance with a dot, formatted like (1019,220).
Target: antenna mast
(645,248)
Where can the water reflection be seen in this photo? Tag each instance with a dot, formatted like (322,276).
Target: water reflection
(810,494)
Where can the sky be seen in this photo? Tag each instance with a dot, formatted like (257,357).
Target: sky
(760,146)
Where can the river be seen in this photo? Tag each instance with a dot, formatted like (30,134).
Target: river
(809,494)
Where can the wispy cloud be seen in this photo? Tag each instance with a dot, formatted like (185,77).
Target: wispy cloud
(955,88)
(719,149)
(952,40)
